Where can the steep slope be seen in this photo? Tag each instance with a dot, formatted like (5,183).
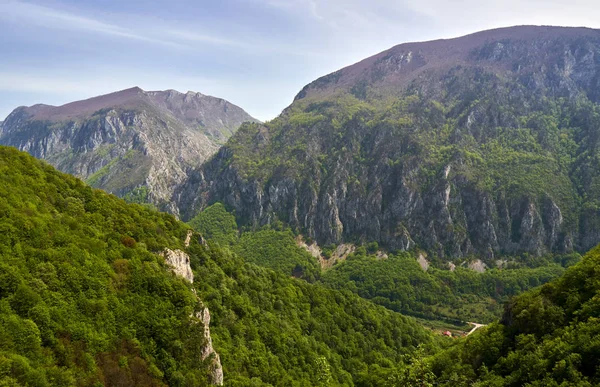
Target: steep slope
(84,298)
(548,337)
(131,143)
(485,144)
(394,280)
(87,297)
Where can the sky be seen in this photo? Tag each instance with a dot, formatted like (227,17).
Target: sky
(257,54)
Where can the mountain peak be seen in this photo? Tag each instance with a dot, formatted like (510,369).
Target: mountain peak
(455,146)
(127,139)
(497,50)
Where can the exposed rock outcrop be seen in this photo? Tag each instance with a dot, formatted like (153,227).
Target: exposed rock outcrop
(179,262)
(423,262)
(208,351)
(188,238)
(449,146)
(477,265)
(131,143)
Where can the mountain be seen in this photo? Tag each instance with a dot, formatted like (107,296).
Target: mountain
(95,291)
(133,143)
(481,145)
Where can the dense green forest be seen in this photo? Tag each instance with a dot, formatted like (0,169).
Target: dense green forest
(86,300)
(83,298)
(273,246)
(398,282)
(549,336)
(271,329)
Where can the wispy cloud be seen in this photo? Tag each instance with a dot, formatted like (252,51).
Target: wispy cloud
(248,46)
(190,36)
(56,19)
(144,31)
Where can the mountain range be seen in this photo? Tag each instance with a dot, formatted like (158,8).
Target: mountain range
(311,236)
(133,143)
(484,145)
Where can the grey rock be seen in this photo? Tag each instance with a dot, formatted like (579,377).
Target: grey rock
(487,82)
(128,142)
(179,262)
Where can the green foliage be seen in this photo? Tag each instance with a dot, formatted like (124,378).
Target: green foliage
(399,284)
(271,329)
(277,250)
(547,337)
(83,297)
(216,224)
(268,247)
(138,195)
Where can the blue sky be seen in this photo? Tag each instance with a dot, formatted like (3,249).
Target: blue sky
(255,53)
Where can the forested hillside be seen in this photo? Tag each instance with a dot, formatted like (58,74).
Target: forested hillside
(395,281)
(85,298)
(547,337)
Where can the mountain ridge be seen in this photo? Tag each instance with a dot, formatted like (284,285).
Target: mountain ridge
(434,52)
(486,159)
(131,142)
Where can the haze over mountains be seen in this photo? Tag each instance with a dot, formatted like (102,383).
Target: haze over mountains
(132,143)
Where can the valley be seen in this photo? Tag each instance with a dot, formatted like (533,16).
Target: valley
(427,216)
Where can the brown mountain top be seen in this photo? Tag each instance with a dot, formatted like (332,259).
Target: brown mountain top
(504,49)
(131,142)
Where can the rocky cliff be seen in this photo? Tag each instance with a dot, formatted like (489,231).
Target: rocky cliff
(179,261)
(132,143)
(482,145)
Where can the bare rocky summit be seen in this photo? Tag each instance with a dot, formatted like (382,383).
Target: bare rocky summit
(133,143)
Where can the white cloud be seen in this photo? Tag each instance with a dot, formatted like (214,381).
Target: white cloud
(147,31)
(275,59)
(50,18)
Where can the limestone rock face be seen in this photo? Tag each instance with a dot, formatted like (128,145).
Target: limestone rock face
(208,350)
(132,143)
(450,146)
(179,262)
